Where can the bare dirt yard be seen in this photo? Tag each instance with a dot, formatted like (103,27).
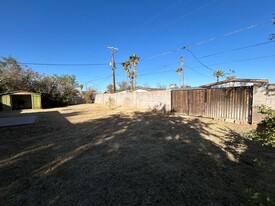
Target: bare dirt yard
(92,155)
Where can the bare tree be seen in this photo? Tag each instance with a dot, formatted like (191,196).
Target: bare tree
(123,85)
(89,95)
(109,88)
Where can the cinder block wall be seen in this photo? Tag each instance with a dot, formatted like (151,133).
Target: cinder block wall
(161,100)
(261,96)
(153,100)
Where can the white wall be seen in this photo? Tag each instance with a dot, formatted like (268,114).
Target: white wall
(261,96)
(153,100)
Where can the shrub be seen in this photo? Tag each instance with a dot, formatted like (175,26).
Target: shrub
(265,132)
(89,95)
(110,103)
(260,199)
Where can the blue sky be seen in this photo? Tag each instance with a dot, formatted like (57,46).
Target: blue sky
(78,32)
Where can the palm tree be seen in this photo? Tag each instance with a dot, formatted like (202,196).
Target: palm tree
(131,76)
(134,60)
(218,74)
(179,70)
(126,66)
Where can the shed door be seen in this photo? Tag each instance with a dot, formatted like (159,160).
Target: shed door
(36,101)
(6,102)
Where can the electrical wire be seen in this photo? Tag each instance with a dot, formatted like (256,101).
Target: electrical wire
(192,68)
(62,64)
(170,70)
(198,72)
(165,65)
(185,15)
(239,60)
(93,80)
(207,67)
(159,14)
(167,52)
(228,34)
(212,39)
(98,84)
(237,49)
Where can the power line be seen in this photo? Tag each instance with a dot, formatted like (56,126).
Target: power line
(62,64)
(239,60)
(198,72)
(237,49)
(212,39)
(167,52)
(97,85)
(207,67)
(165,65)
(259,44)
(164,53)
(192,68)
(170,70)
(153,73)
(93,80)
(159,14)
(228,34)
(185,15)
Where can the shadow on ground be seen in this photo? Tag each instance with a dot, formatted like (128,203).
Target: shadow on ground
(138,159)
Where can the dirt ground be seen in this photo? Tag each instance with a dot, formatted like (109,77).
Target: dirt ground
(92,155)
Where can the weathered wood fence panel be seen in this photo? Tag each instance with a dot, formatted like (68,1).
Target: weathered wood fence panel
(180,101)
(232,104)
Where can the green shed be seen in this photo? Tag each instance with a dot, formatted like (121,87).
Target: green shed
(20,100)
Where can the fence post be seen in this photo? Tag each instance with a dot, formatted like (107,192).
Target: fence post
(188,108)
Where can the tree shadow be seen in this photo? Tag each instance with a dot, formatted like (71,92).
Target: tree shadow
(142,158)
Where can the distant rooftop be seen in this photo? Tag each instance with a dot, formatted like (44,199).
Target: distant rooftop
(149,88)
(242,82)
(142,89)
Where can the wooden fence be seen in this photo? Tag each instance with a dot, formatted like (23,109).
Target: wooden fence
(232,104)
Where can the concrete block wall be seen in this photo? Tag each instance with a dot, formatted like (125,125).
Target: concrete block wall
(153,100)
(161,100)
(261,96)
(270,98)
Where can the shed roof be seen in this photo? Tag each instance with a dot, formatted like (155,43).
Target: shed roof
(188,88)
(19,93)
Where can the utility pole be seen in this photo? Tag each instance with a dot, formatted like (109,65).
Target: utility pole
(113,67)
(182,64)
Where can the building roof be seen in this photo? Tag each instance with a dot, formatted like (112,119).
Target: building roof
(188,88)
(142,89)
(253,81)
(150,89)
(19,93)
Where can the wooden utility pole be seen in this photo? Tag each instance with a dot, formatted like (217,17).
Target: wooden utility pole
(113,67)
(182,66)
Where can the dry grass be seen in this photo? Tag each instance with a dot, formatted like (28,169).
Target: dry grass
(91,155)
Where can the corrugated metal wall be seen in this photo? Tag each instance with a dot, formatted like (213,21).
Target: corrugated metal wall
(14,101)
(5,103)
(228,103)
(36,101)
